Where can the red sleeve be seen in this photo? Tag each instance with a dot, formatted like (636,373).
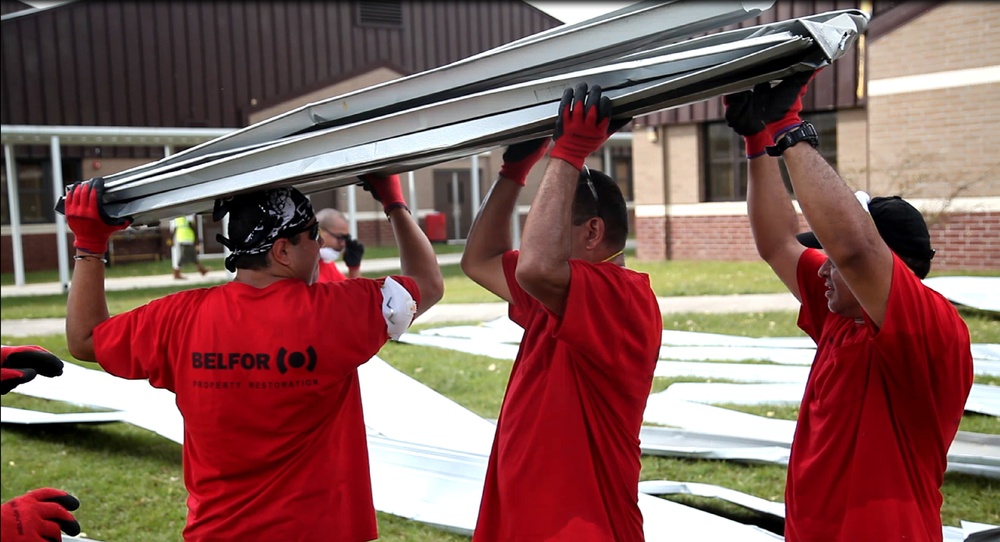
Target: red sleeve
(136,344)
(812,292)
(523,306)
(923,340)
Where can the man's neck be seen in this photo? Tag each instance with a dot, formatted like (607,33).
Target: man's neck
(258,278)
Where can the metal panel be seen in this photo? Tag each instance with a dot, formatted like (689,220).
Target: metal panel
(437,132)
(842,75)
(574,47)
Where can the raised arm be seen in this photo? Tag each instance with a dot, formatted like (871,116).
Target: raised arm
(490,236)
(843,228)
(582,126)
(86,305)
(416,255)
(846,231)
(773,220)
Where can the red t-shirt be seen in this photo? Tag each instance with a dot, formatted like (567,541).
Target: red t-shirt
(880,411)
(565,460)
(328,272)
(267,383)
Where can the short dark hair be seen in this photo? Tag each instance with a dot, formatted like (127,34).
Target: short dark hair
(609,206)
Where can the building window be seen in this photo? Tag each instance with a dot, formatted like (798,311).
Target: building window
(726,164)
(34,187)
(380,13)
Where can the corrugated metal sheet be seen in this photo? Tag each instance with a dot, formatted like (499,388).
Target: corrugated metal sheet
(12,6)
(212,63)
(835,86)
(454,127)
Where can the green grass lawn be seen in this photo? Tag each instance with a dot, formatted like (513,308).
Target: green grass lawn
(131,484)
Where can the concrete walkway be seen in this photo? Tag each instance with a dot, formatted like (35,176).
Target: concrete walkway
(379,265)
(440,313)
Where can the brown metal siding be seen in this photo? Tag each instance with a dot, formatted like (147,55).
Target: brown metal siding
(12,6)
(211,63)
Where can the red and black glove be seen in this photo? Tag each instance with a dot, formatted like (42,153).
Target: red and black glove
(583,124)
(385,190)
(519,158)
(783,103)
(20,364)
(40,515)
(742,117)
(764,114)
(353,251)
(85,214)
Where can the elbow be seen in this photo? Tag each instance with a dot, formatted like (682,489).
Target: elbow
(431,291)
(468,265)
(81,350)
(532,274)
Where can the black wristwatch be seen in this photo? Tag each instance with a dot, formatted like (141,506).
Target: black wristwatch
(804,132)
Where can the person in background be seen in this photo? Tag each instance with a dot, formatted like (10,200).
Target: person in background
(183,245)
(40,514)
(337,241)
(264,367)
(592,331)
(893,366)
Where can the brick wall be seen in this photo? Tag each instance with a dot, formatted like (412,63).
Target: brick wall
(964,240)
(952,36)
(967,240)
(40,251)
(930,89)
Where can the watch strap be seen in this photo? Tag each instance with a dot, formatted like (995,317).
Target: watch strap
(803,132)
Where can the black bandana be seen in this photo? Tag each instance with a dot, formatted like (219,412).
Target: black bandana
(272,213)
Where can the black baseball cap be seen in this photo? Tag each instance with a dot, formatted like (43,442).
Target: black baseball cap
(900,224)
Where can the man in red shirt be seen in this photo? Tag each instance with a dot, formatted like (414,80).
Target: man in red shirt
(893,365)
(333,228)
(264,367)
(565,459)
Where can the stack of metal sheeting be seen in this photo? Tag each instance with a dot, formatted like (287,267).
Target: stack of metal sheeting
(508,94)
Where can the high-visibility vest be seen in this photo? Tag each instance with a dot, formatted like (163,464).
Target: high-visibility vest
(183,232)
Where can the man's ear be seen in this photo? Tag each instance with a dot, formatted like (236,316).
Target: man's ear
(595,232)
(279,252)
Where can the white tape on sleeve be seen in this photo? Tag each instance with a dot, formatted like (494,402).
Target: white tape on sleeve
(398,307)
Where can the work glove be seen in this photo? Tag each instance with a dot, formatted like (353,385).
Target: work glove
(353,251)
(20,364)
(40,515)
(745,120)
(768,110)
(386,190)
(519,158)
(91,225)
(583,125)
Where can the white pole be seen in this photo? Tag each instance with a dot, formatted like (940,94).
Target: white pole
(411,180)
(59,190)
(225,251)
(352,210)
(474,176)
(15,215)
(456,208)
(517,227)
(607,162)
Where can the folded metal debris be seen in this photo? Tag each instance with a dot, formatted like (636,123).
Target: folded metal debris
(495,98)
(981,293)
(565,48)
(422,466)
